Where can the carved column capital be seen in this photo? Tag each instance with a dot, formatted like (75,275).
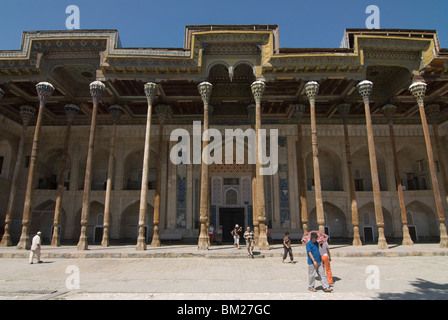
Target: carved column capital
(298,111)
(344,109)
(27,113)
(150,91)
(163,112)
(71,110)
(389,112)
(418,90)
(116,111)
(365,89)
(205,90)
(311,90)
(257,88)
(96,91)
(44,91)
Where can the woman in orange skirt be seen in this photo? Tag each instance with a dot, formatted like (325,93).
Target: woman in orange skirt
(326,258)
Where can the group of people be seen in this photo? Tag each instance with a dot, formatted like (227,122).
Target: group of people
(318,257)
(211,234)
(249,236)
(318,253)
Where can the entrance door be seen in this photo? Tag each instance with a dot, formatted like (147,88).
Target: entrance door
(228,218)
(368,235)
(413,233)
(98,234)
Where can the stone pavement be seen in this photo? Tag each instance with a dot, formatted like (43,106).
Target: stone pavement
(181,272)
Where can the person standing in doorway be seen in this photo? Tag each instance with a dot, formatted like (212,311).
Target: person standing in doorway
(219,235)
(211,233)
(249,236)
(35,248)
(315,265)
(326,258)
(287,248)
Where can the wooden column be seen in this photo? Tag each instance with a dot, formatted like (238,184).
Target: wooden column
(433,113)
(205,89)
(96,90)
(27,113)
(44,91)
(251,114)
(299,110)
(389,112)
(115,111)
(365,88)
(344,109)
(257,88)
(311,89)
(70,110)
(163,112)
(418,90)
(150,91)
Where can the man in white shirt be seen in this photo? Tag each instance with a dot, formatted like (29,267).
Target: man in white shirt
(35,248)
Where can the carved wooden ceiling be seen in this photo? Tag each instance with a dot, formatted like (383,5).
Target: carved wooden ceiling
(72,71)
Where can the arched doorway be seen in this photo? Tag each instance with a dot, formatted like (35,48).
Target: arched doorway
(335,222)
(129,223)
(42,220)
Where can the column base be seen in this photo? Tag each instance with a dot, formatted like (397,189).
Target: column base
(407,241)
(203,243)
(356,238)
(262,242)
(382,244)
(55,241)
(141,245)
(141,240)
(6,241)
(155,241)
(105,240)
(443,236)
(82,244)
(24,242)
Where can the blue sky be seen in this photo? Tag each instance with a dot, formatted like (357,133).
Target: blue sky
(161,23)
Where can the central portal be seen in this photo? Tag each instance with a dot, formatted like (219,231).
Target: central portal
(228,218)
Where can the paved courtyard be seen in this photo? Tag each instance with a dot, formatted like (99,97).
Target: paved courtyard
(222,273)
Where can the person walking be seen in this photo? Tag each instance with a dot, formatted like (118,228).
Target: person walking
(35,248)
(236,236)
(326,258)
(249,236)
(287,248)
(315,265)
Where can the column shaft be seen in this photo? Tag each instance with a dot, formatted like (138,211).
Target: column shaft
(204,206)
(434,180)
(110,176)
(55,240)
(156,237)
(24,242)
(382,244)
(351,184)
(407,241)
(6,239)
(85,213)
(261,205)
